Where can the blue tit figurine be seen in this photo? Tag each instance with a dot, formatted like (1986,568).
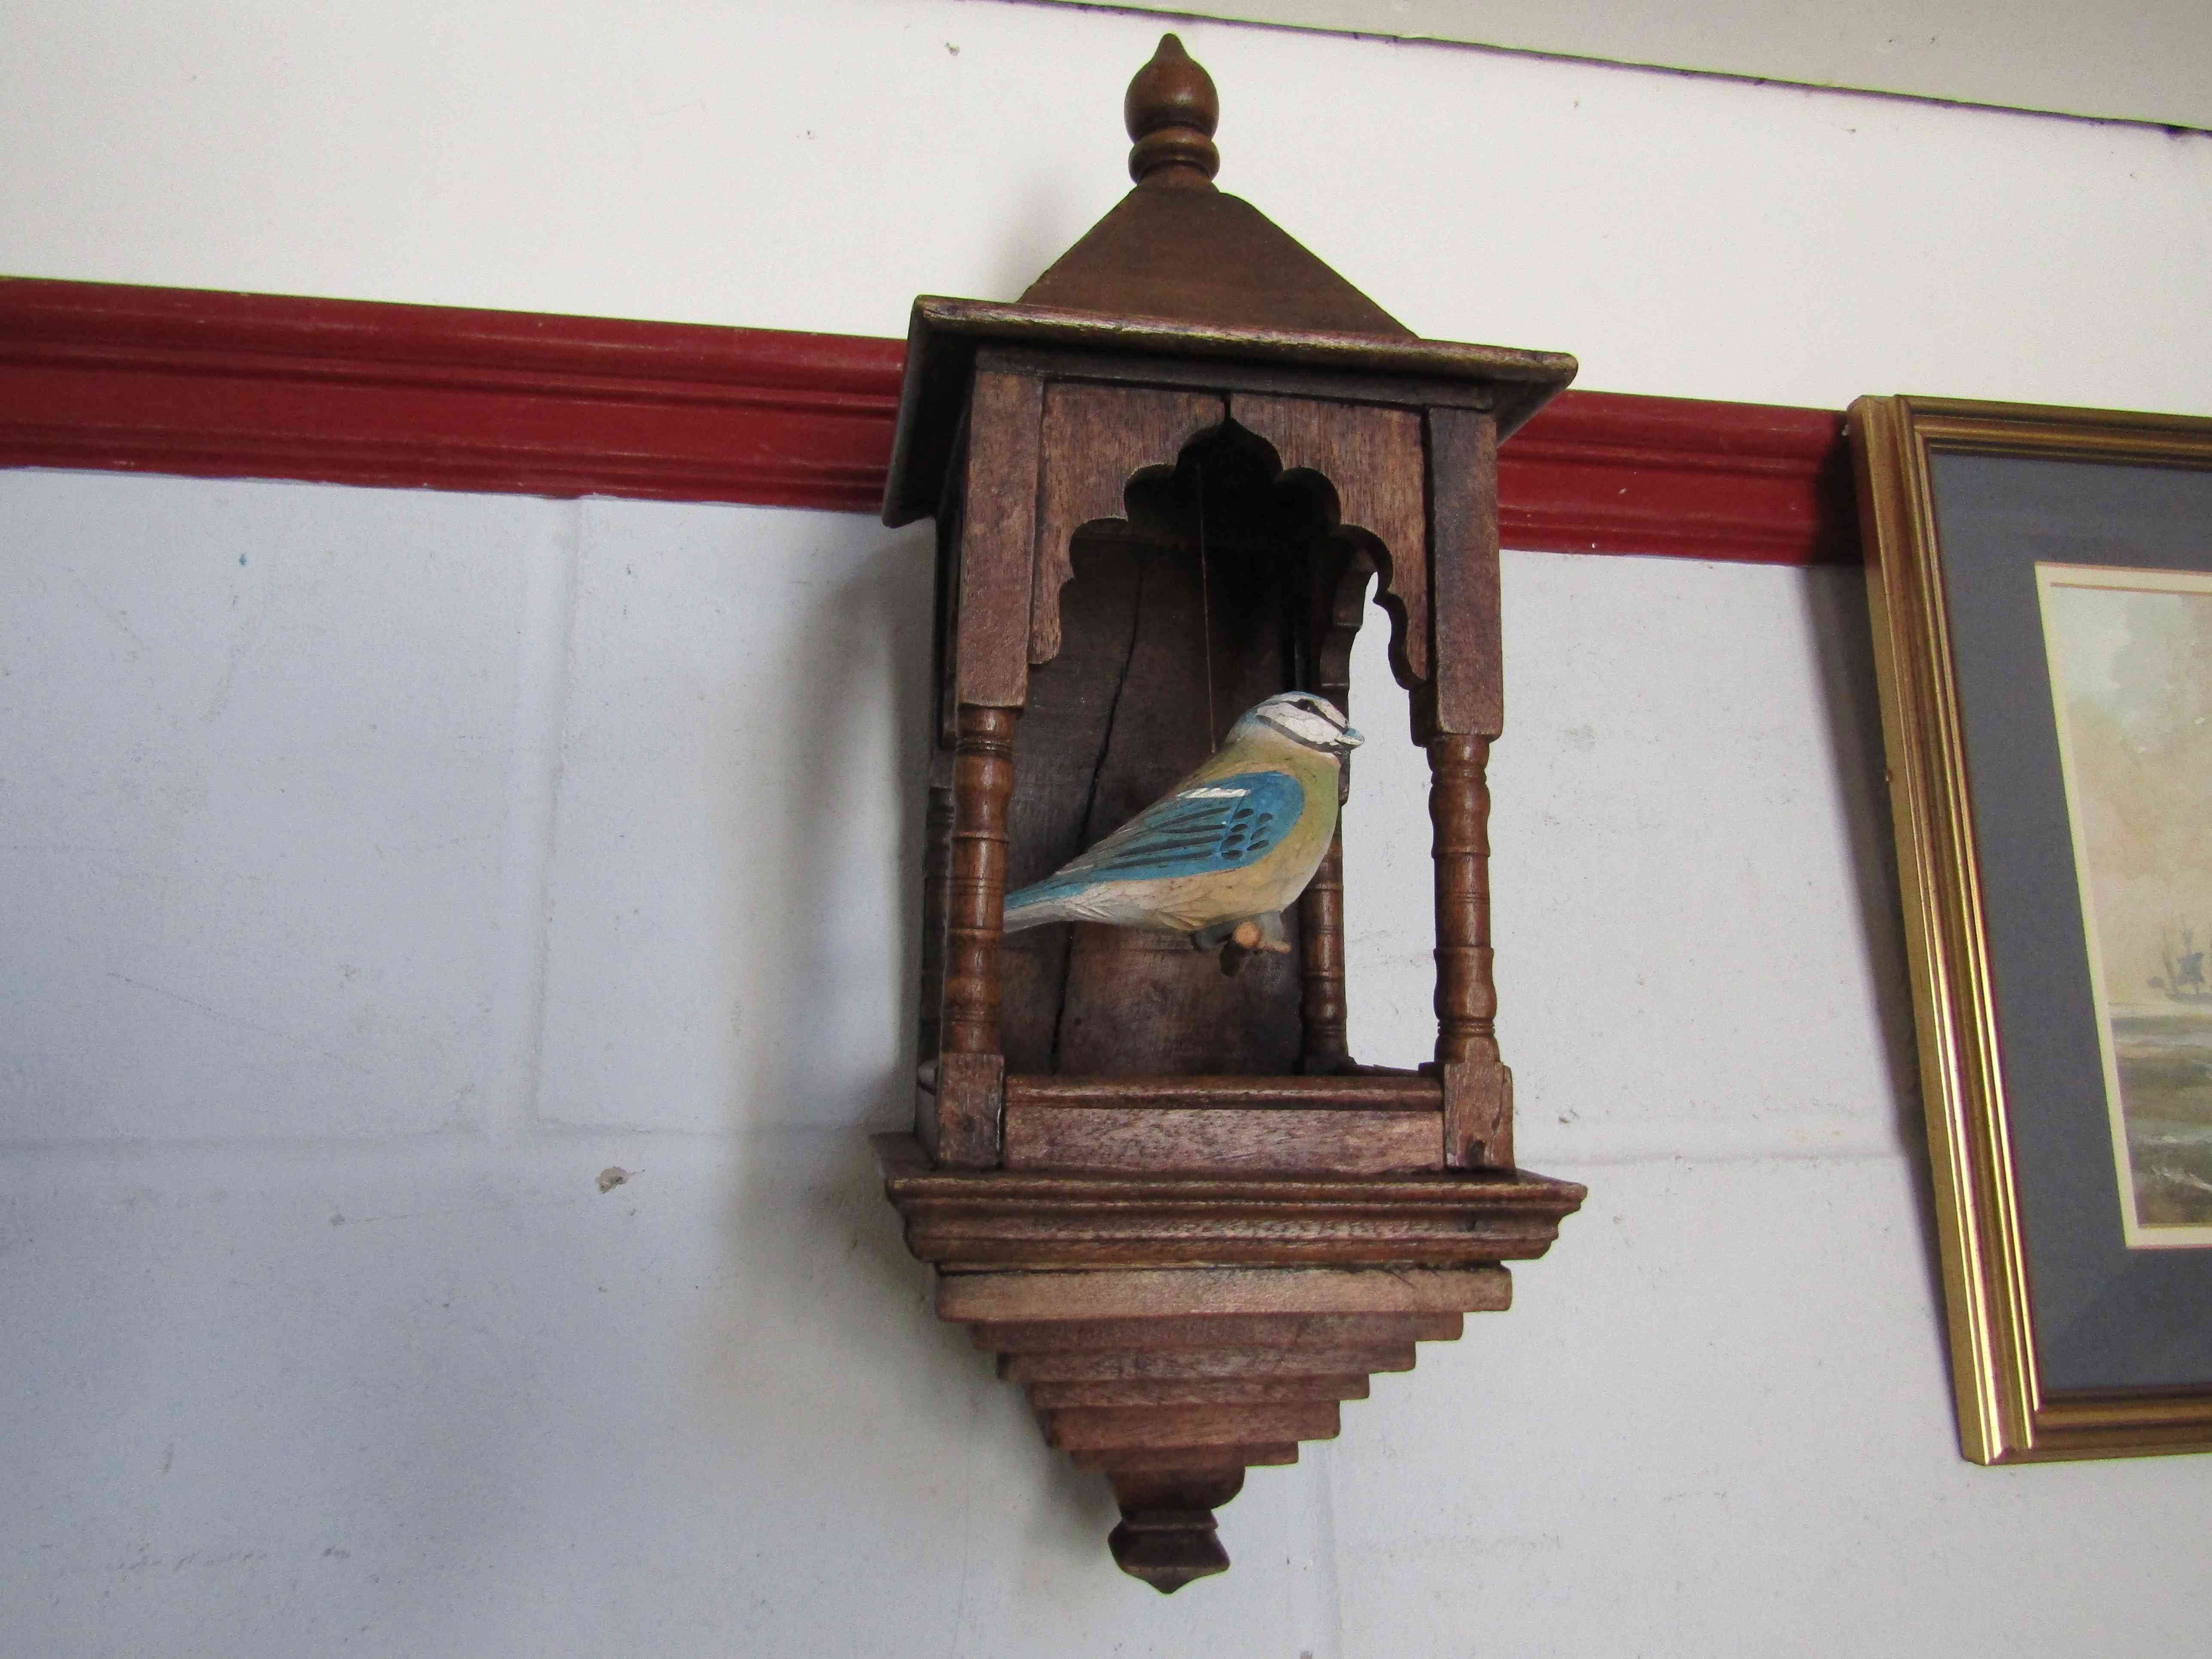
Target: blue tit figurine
(1234,842)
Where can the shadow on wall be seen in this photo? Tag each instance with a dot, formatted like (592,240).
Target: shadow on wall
(1843,637)
(823,1325)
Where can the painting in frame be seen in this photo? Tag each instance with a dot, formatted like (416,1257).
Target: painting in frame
(2041,590)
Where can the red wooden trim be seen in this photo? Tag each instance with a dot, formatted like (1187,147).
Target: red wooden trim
(1599,472)
(350,391)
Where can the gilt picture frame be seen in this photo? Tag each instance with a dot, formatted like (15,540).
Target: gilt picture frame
(2040,585)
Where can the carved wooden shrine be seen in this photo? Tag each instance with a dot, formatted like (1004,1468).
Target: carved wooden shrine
(1166,1196)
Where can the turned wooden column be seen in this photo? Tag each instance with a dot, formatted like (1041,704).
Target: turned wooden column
(1459,811)
(1478,1089)
(1324,1047)
(971,1068)
(1337,601)
(1464,709)
(935,896)
(988,657)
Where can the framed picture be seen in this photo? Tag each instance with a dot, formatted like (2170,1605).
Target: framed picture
(2042,596)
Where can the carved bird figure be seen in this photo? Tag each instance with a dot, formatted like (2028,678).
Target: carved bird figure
(1233,843)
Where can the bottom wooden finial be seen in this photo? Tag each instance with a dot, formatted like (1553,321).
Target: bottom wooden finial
(1167,1536)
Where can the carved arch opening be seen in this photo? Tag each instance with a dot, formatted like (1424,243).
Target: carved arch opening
(1367,466)
(1130,461)
(1202,578)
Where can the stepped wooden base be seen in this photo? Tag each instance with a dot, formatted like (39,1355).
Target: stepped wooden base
(1174,1330)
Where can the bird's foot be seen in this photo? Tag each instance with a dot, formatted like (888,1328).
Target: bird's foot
(1247,938)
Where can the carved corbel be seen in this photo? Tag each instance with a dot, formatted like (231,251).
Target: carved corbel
(1097,439)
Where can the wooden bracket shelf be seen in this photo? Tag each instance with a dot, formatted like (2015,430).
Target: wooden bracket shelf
(976,1221)
(1175,1329)
(1167,482)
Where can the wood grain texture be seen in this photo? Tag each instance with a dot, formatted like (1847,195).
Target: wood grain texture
(1459,817)
(1394,1091)
(1219,1363)
(1173,1406)
(998,533)
(1463,710)
(1278,1331)
(979,1242)
(1342,350)
(1466,694)
(1059,754)
(1478,1113)
(1074,1219)
(1142,1293)
(936,904)
(1178,619)
(1338,599)
(962,1108)
(1208,265)
(1258,376)
(1198,1391)
(1479,1089)
(1258,1139)
(1373,460)
(1108,1428)
(1097,439)
(1183,1460)
(975,889)
(1324,1009)
(945,336)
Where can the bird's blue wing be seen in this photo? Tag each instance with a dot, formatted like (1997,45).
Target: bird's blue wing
(1224,823)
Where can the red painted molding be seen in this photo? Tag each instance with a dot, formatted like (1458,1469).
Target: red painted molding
(256,385)
(1600,472)
(349,391)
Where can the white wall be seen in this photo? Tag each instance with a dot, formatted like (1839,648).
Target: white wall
(2135,60)
(376,868)
(815,167)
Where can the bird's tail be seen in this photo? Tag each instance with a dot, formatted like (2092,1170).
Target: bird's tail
(1057,898)
(1029,908)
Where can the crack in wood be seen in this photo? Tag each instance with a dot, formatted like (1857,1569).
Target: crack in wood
(1097,770)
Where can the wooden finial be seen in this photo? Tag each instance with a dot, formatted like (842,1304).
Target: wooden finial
(1172,110)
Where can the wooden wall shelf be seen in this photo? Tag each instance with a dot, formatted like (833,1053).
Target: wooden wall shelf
(1152,1179)
(1172,1332)
(980,1220)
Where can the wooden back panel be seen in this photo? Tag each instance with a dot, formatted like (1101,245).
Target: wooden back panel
(1119,713)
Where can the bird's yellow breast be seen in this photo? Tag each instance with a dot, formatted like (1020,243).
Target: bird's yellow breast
(1275,881)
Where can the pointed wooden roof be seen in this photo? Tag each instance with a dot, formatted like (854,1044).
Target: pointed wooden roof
(1178,249)
(1201,256)
(1179,268)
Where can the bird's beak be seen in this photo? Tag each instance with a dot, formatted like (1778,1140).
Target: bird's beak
(1350,740)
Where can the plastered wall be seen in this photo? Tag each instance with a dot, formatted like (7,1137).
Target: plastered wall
(378,868)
